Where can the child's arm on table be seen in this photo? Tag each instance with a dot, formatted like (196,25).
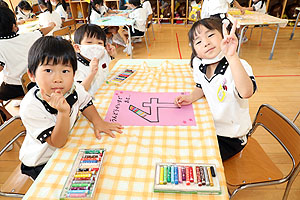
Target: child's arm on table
(229,45)
(46,30)
(99,124)
(86,83)
(190,98)
(236,4)
(59,135)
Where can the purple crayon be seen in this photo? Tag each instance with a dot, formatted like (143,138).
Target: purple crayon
(183,173)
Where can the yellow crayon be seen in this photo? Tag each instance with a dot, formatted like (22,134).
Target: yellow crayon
(210,176)
(161,177)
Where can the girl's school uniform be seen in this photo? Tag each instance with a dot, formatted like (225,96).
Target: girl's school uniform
(215,8)
(39,119)
(13,58)
(46,17)
(147,6)
(22,16)
(229,110)
(84,70)
(96,15)
(61,11)
(259,6)
(140,16)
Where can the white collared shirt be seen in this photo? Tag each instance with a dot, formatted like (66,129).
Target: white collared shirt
(231,115)
(39,120)
(61,11)
(46,17)
(95,16)
(259,7)
(147,6)
(213,7)
(140,17)
(14,54)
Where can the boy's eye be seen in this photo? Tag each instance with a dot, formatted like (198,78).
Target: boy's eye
(210,35)
(66,71)
(48,70)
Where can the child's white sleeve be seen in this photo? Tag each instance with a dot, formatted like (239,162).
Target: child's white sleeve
(196,62)
(84,98)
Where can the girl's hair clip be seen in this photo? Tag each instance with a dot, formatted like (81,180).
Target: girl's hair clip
(46,1)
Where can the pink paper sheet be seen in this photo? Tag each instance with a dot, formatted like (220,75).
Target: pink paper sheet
(149,109)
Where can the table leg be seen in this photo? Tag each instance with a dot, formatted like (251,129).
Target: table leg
(292,35)
(241,38)
(129,38)
(272,51)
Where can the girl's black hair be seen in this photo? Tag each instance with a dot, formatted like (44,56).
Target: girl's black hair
(51,50)
(7,20)
(90,30)
(63,3)
(136,3)
(92,6)
(212,23)
(24,5)
(46,3)
(3,4)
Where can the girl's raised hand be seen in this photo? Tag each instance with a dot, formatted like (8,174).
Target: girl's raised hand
(56,100)
(230,42)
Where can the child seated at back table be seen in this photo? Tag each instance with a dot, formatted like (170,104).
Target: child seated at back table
(14,52)
(93,55)
(224,79)
(49,111)
(24,12)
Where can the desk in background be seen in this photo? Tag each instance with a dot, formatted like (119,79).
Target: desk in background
(29,26)
(256,18)
(129,164)
(116,20)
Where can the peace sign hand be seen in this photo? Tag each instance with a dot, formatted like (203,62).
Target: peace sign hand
(230,42)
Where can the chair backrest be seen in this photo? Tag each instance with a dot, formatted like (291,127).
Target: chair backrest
(25,80)
(149,20)
(10,131)
(64,31)
(281,128)
(71,24)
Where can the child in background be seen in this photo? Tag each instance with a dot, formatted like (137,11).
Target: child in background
(24,12)
(258,5)
(147,6)
(49,111)
(48,16)
(218,8)
(60,7)
(96,10)
(93,56)
(224,79)
(140,17)
(13,53)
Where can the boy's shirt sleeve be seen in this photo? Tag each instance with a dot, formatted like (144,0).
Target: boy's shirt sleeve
(85,99)
(39,124)
(249,71)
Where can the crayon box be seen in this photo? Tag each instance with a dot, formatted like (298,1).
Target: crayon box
(82,180)
(121,77)
(186,178)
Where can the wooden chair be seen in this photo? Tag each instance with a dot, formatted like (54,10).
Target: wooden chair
(71,24)
(63,32)
(252,166)
(17,183)
(26,82)
(150,23)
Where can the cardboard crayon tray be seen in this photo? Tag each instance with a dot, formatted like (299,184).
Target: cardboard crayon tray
(121,77)
(82,180)
(193,178)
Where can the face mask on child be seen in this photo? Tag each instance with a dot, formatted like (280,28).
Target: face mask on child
(213,60)
(92,51)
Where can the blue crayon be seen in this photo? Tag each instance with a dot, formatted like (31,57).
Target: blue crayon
(172,174)
(176,175)
(78,191)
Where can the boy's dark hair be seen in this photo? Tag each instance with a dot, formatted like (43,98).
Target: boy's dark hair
(7,20)
(51,50)
(136,3)
(3,4)
(92,6)
(24,5)
(212,23)
(47,4)
(91,30)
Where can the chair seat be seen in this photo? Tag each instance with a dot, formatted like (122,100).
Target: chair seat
(17,183)
(253,162)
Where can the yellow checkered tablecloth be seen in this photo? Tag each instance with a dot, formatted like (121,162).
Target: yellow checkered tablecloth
(129,164)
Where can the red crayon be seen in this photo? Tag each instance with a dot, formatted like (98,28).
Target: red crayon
(191,174)
(187,175)
(198,176)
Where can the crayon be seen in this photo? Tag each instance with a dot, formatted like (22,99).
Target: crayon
(81,185)
(191,175)
(165,174)
(212,171)
(187,174)
(82,175)
(183,173)
(72,195)
(176,175)
(172,174)
(202,175)
(206,177)
(199,182)
(161,177)
(169,174)
(78,191)
(179,174)
(210,176)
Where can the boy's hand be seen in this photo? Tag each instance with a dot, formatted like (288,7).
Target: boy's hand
(183,100)
(56,100)
(111,50)
(107,128)
(230,42)
(94,65)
